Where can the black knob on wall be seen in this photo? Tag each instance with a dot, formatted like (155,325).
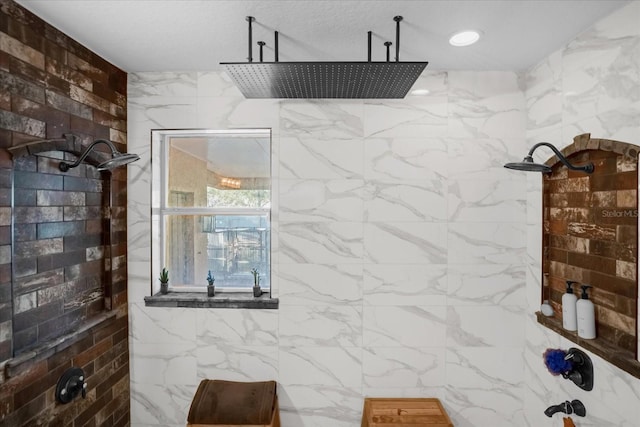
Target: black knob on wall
(70,385)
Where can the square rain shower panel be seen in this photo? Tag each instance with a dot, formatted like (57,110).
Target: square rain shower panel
(315,80)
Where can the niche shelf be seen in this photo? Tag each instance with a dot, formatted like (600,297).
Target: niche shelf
(623,359)
(590,235)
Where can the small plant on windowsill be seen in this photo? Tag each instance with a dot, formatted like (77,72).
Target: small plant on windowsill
(256,282)
(211,290)
(164,281)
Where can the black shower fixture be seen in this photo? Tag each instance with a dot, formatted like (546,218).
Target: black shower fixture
(528,165)
(315,80)
(117,158)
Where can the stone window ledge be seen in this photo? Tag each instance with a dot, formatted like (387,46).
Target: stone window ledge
(221,300)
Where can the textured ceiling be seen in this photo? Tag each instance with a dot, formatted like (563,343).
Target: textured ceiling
(184,35)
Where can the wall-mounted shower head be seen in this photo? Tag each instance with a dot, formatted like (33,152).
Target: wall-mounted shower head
(117,158)
(528,165)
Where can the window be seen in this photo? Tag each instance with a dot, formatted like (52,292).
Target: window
(211,201)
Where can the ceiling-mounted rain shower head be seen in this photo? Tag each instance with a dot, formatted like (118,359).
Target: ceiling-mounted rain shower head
(528,165)
(117,158)
(315,80)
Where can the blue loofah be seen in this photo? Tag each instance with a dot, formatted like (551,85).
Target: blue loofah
(554,358)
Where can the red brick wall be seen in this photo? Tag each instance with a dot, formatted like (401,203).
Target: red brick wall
(64,269)
(591,234)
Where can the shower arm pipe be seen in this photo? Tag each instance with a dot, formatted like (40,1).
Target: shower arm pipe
(586,168)
(64,166)
(250,19)
(397,19)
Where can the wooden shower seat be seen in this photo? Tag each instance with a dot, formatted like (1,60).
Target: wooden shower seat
(404,412)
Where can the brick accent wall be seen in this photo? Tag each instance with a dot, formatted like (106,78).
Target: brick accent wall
(591,234)
(63,263)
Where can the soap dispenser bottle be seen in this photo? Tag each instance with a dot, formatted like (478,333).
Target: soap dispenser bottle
(569,318)
(586,316)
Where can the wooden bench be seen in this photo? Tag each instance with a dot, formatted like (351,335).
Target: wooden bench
(401,412)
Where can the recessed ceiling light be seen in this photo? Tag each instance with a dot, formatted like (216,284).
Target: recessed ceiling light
(464,38)
(420,92)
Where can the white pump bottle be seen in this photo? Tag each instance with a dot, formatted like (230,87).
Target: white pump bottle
(569,317)
(586,315)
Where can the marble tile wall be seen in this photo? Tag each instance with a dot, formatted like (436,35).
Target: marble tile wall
(398,253)
(591,85)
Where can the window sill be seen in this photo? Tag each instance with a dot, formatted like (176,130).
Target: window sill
(221,300)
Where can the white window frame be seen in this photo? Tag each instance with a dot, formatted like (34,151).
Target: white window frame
(160,209)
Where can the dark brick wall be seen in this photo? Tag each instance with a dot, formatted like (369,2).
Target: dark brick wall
(63,263)
(591,234)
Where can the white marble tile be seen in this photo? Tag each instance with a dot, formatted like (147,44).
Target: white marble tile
(169,84)
(325,365)
(495,243)
(534,244)
(415,201)
(619,125)
(485,104)
(534,294)
(316,200)
(139,280)
(404,326)
(486,200)
(152,325)
(590,92)
(237,362)
(320,326)
(534,199)
(393,160)
(610,35)
(405,284)
(544,107)
(436,82)
(166,363)
(322,119)
(406,118)
(485,326)
(405,242)
(484,158)
(238,112)
(549,69)
(311,158)
(486,284)
(238,326)
(411,368)
(320,243)
(485,367)
(320,406)
(216,83)
(160,405)
(495,407)
(144,114)
(313,284)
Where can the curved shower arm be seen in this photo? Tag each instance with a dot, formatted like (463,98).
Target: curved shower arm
(64,166)
(588,168)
